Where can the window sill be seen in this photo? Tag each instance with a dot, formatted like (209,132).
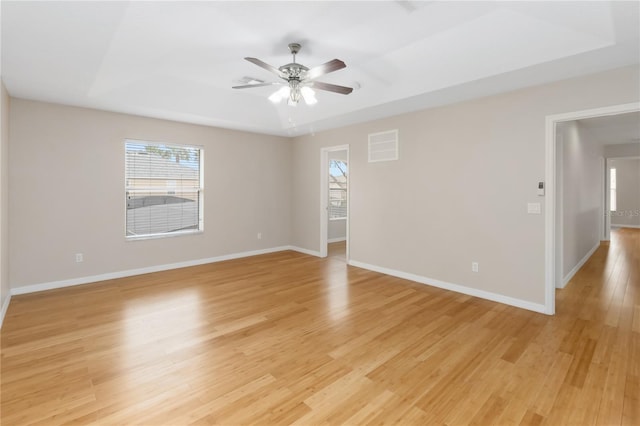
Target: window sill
(157,236)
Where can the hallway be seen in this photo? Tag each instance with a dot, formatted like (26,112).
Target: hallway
(598,322)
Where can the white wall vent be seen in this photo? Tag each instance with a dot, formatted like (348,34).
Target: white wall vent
(383,146)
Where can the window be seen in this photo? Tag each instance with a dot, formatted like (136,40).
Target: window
(163,189)
(612,190)
(337,189)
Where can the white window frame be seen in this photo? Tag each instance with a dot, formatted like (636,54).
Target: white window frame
(127,188)
(613,194)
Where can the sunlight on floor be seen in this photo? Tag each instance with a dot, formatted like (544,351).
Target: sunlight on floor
(338,296)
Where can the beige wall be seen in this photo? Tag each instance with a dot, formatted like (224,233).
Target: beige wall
(4,195)
(627,192)
(338,155)
(581,207)
(457,194)
(63,156)
(460,189)
(337,229)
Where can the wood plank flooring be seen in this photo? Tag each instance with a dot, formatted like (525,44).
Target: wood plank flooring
(287,338)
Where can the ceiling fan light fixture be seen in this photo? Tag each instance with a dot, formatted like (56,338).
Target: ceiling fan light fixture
(309,96)
(279,95)
(295,94)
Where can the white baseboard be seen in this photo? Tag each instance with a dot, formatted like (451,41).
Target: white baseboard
(304,251)
(336,240)
(5,306)
(615,225)
(576,268)
(400,274)
(495,297)
(131,272)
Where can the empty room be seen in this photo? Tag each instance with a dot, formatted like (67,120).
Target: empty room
(331,212)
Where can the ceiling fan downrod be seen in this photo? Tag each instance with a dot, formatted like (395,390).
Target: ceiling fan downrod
(294,48)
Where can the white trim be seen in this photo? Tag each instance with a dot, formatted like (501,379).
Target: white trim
(622,225)
(602,165)
(5,306)
(324,200)
(336,240)
(305,251)
(607,196)
(559,218)
(144,237)
(139,271)
(576,268)
(550,217)
(347,252)
(518,303)
(550,178)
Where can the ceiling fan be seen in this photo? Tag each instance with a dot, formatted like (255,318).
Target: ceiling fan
(300,80)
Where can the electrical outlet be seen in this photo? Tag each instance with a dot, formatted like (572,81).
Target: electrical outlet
(259,235)
(79,257)
(475,266)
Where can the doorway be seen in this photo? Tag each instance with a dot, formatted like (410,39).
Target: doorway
(553,202)
(334,202)
(623,189)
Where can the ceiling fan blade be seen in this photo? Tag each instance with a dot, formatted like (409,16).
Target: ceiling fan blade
(247,86)
(331,66)
(266,66)
(343,90)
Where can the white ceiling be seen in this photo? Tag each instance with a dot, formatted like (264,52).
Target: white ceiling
(178,60)
(613,129)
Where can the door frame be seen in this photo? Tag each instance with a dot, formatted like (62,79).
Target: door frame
(606,188)
(550,179)
(324,196)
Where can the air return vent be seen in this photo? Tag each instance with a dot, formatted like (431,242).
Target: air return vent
(383,146)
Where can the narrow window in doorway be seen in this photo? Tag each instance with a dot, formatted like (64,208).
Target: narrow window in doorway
(612,192)
(337,189)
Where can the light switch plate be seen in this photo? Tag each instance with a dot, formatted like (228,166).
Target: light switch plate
(533,208)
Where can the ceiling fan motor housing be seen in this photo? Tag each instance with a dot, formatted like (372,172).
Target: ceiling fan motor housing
(294,71)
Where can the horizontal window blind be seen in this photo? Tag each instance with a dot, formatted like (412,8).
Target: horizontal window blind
(163,189)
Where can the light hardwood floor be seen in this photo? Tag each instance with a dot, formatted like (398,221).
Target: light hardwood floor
(289,338)
(337,250)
